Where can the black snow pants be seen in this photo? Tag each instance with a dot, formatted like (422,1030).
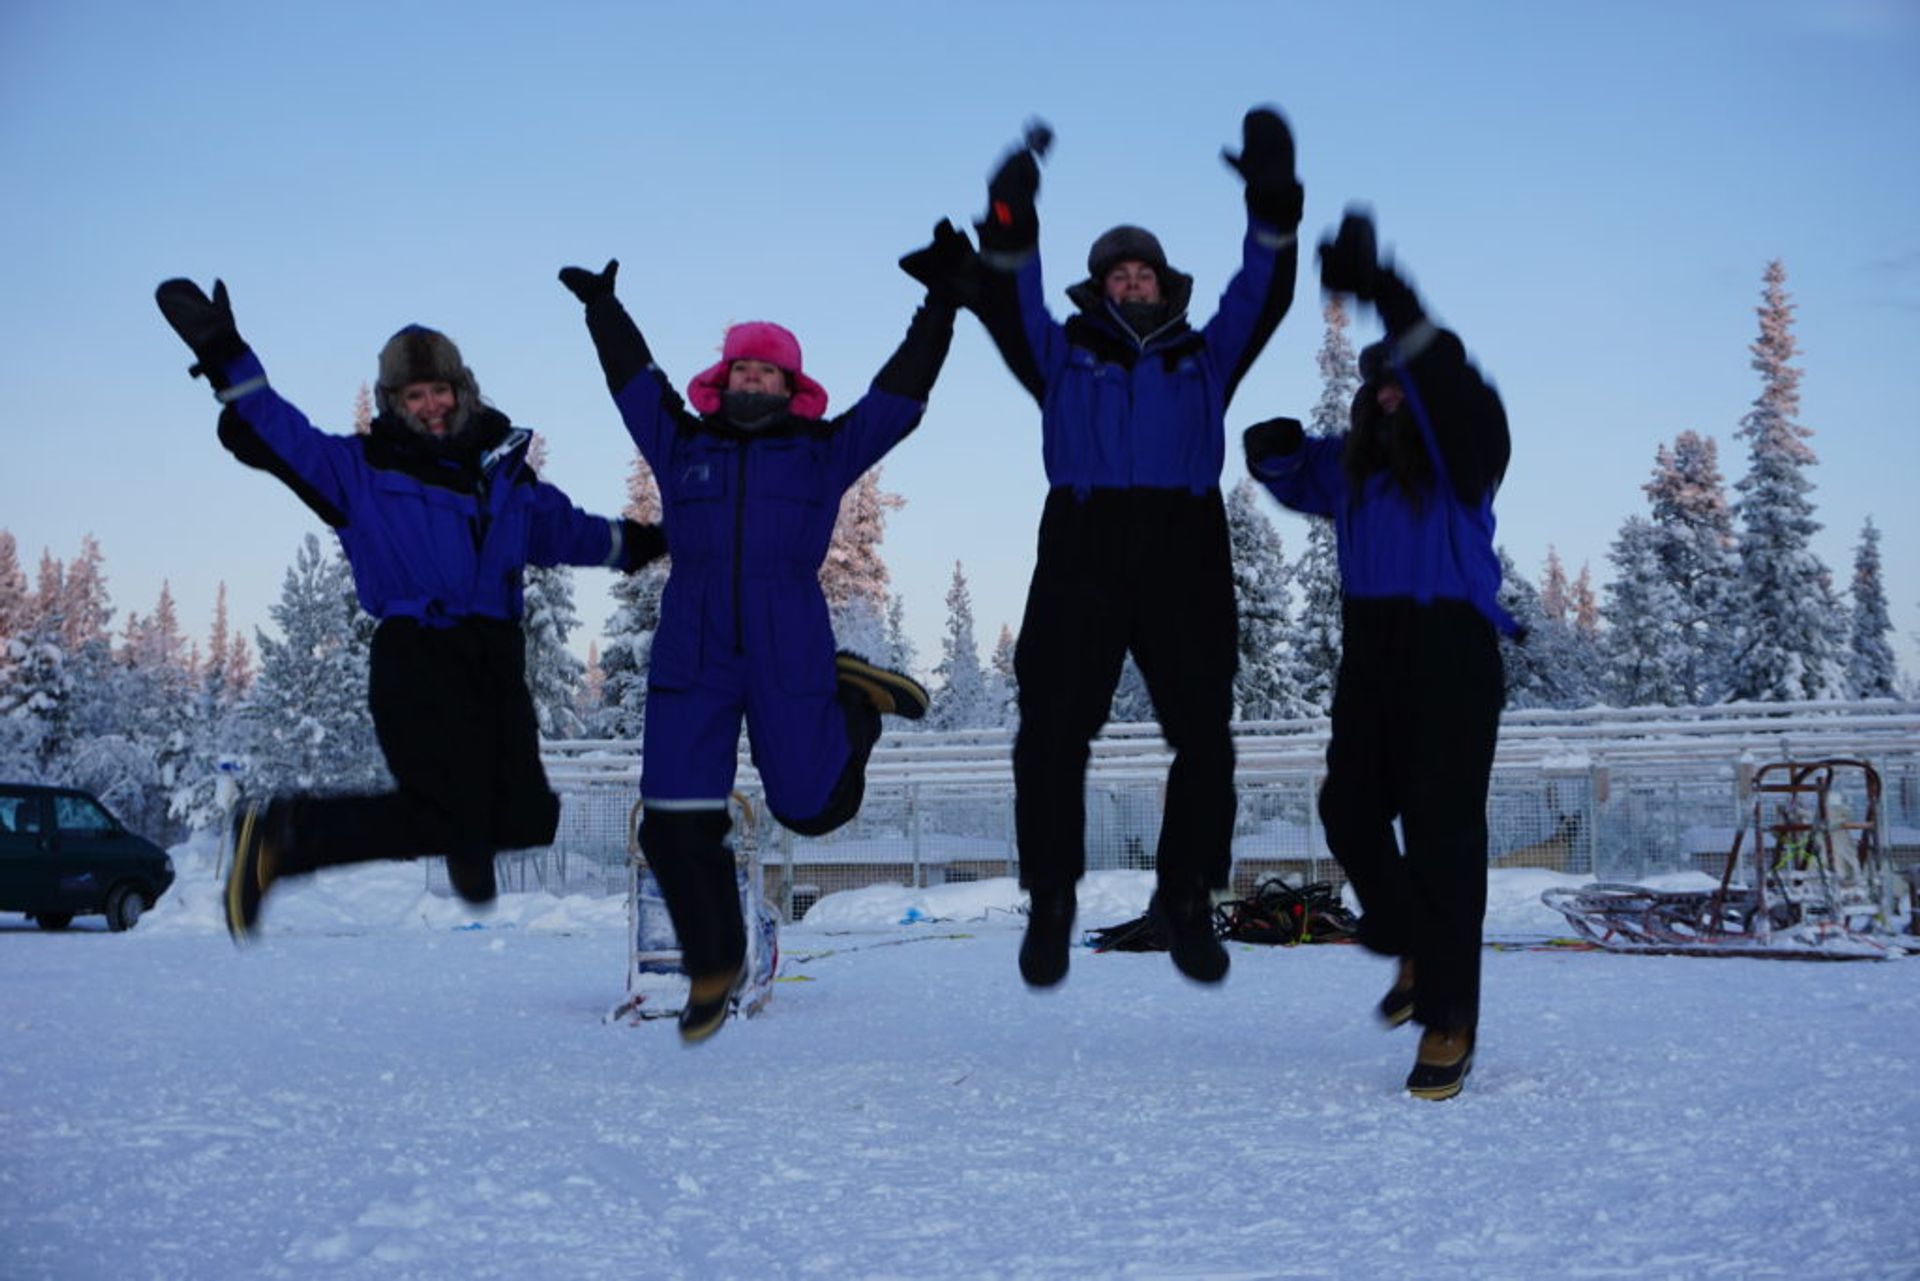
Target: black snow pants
(1415,715)
(1147,571)
(457,726)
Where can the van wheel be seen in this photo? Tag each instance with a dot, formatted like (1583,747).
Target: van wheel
(124,907)
(54,920)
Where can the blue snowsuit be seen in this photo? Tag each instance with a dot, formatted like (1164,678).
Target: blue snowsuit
(1416,705)
(1133,552)
(744,630)
(438,534)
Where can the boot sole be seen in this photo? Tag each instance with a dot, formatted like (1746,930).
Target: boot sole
(891,693)
(243,918)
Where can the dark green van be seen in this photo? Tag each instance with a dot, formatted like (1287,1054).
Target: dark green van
(62,855)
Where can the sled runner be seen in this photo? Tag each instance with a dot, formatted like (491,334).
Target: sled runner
(1816,882)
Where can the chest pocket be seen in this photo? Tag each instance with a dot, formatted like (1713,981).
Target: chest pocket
(701,477)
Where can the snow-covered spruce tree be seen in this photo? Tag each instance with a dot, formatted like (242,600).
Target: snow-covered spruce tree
(16,601)
(630,630)
(1534,674)
(900,649)
(1132,704)
(35,695)
(1315,637)
(201,793)
(157,709)
(1693,528)
(960,695)
(308,727)
(854,576)
(109,698)
(554,674)
(1315,641)
(1790,626)
(1644,647)
(1264,687)
(1872,671)
(1006,682)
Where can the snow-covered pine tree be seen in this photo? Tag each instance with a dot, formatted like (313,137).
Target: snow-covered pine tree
(1790,626)
(1643,647)
(1693,528)
(1006,680)
(199,797)
(554,674)
(1556,596)
(1132,704)
(107,698)
(854,576)
(1872,671)
(36,692)
(1263,688)
(592,681)
(1534,677)
(16,601)
(1315,638)
(308,727)
(960,696)
(363,411)
(900,649)
(630,629)
(1316,632)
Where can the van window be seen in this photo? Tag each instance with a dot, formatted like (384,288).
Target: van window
(80,815)
(19,814)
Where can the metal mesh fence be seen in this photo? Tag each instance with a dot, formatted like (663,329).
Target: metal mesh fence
(1630,800)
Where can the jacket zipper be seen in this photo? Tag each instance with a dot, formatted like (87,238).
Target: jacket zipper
(739,546)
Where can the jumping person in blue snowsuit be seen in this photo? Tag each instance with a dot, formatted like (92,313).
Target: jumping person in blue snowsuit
(1133,551)
(1416,706)
(439,514)
(750,486)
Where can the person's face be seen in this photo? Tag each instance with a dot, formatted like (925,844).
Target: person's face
(756,375)
(431,405)
(1389,397)
(1133,282)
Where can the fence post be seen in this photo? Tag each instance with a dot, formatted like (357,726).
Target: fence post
(913,819)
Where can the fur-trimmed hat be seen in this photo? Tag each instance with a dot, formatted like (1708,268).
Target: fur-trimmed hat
(418,354)
(759,340)
(1376,362)
(1127,243)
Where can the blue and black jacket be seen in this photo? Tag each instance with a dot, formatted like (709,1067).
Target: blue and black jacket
(1435,543)
(434,531)
(749,515)
(1123,411)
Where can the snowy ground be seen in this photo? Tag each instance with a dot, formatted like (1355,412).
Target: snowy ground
(380,1089)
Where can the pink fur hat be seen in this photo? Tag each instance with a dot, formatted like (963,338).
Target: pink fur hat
(759,340)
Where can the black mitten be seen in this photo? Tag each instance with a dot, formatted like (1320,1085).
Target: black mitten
(1012,224)
(1265,161)
(948,267)
(640,545)
(1350,262)
(1272,439)
(204,324)
(590,286)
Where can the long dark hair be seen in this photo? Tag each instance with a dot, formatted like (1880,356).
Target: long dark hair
(1377,442)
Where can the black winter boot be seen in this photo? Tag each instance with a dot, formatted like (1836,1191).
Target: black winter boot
(688,854)
(471,876)
(1185,919)
(1396,1007)
(892,693)
(262,847)
(1043,952)
(1441,1067)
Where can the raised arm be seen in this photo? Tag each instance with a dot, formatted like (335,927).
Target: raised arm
(647,402)
(1012,303)
(256,425)
(1260,293)
(1460,415)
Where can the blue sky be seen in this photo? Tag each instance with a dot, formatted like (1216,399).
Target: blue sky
(1587,193)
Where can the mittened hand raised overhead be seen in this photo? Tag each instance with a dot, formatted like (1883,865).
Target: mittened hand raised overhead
(204,324)
(590,286)
(948,267)
(1350,262)
(1274,438)
(1266,162)
(1012,224)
